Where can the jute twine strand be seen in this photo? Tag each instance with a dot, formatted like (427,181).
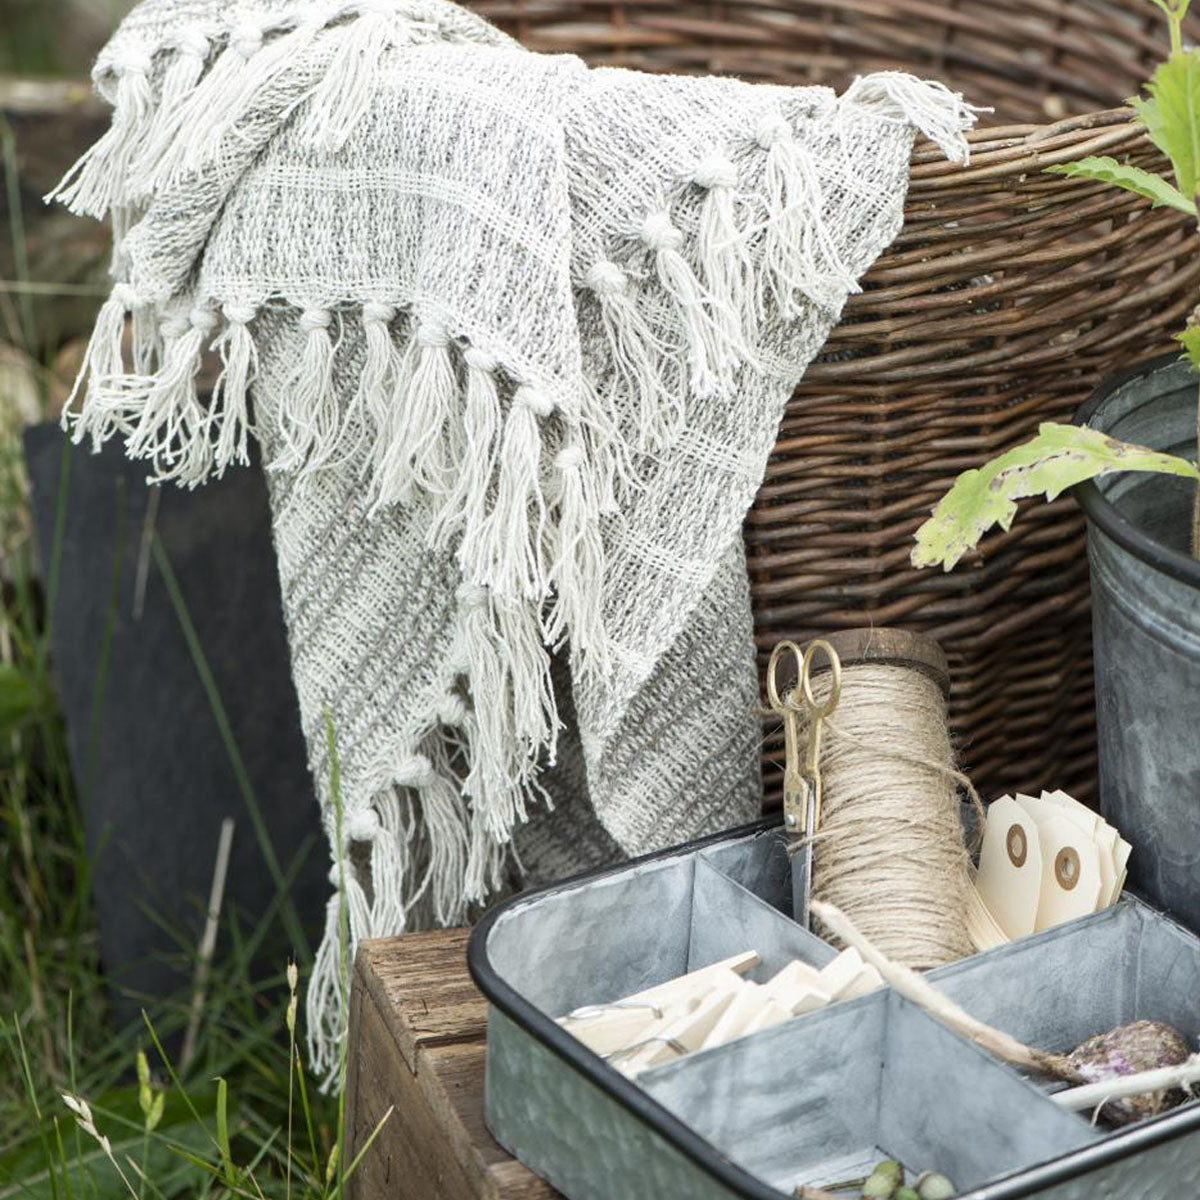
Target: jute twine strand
(890,852)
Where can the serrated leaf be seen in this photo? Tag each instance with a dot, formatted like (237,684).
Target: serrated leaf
(1173,120)
(1189,339)
(1133,179)
(1058,458)
(1151,118)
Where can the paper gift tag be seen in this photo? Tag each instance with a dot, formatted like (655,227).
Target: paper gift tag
(1100,833)
(984,932)
(1070,873)
(1121,863)
(1009,879)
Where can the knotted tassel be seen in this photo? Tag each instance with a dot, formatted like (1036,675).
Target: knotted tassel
(510,558)
(941,115)
(388,860)
(191,48)
(190,138)
(344,94)
(419,449)
(411,774)
(173,429)
(104,409)
(99,180)
(358,906)
(711,330)
(326,1012)
(638,355)
(799,254)
(191,134)
(230,400)
(724,254)
(578,557)
(434,452)
(465,505)
(392,473)
(391,859)
(367,415)
(308,414)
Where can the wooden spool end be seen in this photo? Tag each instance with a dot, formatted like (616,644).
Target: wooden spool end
(900,647)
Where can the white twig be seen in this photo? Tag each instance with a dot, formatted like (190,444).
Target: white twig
(921,992)
(208,943)
(1120,1087)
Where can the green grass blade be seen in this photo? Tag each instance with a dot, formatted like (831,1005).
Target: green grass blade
(223,1132)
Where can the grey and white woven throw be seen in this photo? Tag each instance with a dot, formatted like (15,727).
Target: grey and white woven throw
(515,336)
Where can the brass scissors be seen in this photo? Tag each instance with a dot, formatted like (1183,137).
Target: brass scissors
(802,782)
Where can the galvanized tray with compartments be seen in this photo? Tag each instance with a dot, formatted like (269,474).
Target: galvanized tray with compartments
(829,1092)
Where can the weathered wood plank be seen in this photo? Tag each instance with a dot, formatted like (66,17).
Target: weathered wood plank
(417,1030)
(421,985)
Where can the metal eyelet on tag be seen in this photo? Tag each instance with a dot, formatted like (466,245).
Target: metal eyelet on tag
(1066,868)
(1018,848)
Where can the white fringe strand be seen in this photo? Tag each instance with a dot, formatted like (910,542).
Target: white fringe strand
(103,411)
(97,181)
(308,416)
(465,505)
(722,245)
(230,400)
(715,344)
(511,557)
(639,357)
(172,426)
(578,557)
(942,115)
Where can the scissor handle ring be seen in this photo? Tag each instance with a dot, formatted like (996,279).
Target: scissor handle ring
(777,704)
(816,709)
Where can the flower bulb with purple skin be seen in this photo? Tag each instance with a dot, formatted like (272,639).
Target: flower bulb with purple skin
(1138,1046)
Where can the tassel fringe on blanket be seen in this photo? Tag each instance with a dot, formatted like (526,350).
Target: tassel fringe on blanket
(515,336)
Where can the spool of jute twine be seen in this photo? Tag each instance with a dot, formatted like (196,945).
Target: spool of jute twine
(890,851)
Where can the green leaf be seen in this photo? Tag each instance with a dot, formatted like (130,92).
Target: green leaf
(1058,458)
(1173,117)
(1151,119)
(1189,339)
(1132,179)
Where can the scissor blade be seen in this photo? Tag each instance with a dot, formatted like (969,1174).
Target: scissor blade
(802,865)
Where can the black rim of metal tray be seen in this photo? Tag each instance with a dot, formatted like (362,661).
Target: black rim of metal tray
(691,1145)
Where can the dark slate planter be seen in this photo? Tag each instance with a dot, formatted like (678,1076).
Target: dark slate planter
(1146,615)
(154,775)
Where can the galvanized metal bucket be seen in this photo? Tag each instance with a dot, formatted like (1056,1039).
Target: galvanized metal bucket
(1146,630)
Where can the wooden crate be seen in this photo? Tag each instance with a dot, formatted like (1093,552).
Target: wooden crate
(417,1030)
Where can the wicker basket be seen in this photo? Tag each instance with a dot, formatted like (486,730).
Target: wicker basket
(1005,299)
